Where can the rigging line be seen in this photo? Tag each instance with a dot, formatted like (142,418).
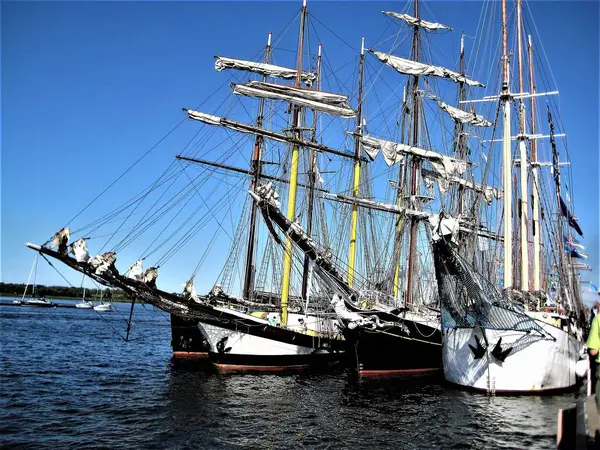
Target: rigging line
(203,201)
(134,209)
(69,283)
(126,171)
(203,221)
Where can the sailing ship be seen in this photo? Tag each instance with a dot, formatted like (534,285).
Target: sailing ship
(256,330)
(503,333)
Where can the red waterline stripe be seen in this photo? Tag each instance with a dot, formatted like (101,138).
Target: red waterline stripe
(245,368)
(408,372)
(190,355)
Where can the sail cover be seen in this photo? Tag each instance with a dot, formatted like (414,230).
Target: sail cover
(460,116)
(267,70)
(488,192)
(429,26)
(389,150)
(326,102)
(408,67)
(216,120)
(445,165)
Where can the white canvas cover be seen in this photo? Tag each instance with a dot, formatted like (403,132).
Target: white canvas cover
(136,270)
(444,226)
(429,26)
(326,102)
(488,192)
(61,237)
(408,67)
(445,165)
(79,249)
(268,70)
(466,117)
(388,149)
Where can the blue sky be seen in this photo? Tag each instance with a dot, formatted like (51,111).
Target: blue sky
(88,87)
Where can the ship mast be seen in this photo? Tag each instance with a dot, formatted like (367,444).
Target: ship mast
(291,206)
(460,126)
(415,163)
(506,158)
(256,169)
(355,188)
(537,231)
(523,156)
(399,187)
(311,182)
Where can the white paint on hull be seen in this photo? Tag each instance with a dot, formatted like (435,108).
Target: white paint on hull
(247,344)
(534,364)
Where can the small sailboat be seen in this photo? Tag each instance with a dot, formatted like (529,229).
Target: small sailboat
(40,301)
(104,307)
(84,305)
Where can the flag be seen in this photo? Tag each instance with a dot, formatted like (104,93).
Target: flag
(570,218)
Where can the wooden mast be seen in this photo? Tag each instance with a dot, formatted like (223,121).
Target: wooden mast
(415,162)
(537,232)
(506,157)
(355,188)
(291,206)
(399,187)
(523,156)
(460,126)
(256,169)
(311,182)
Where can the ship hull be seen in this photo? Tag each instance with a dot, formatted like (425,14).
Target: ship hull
(246,343)
(534,365)
(414,350)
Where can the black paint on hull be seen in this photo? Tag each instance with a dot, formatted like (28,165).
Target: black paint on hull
(393,351)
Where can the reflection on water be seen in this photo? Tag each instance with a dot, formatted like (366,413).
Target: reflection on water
(69,380)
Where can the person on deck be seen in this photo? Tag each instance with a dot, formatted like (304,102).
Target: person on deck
(593,345)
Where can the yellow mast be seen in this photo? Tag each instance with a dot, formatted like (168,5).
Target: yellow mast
(354,217)
(291,206)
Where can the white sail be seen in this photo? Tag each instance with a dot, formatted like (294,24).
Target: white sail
(429,26)
(79,249)
(408,67)
(488,192)
(389,150)
(326,102)
(268,70)
(466,117)
(445,165)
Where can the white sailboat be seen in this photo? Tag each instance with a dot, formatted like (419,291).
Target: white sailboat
(527,337)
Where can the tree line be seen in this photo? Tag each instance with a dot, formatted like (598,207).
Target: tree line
(17,289)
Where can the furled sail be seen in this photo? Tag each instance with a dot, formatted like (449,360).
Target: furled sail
(460,116)
(445,165)
(389,150)
(245,128)
(326,102)
(268,70)
(488,192)
(429,26)
(408,67)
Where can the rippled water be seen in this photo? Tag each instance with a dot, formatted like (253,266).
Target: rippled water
(68,380)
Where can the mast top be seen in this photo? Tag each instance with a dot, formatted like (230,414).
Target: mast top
(319,51)
(304,3)
(362,47)
(269,38)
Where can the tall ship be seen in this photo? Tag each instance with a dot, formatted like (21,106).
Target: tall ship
(512,316)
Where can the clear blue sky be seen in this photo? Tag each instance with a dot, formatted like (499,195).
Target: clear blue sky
(88,87)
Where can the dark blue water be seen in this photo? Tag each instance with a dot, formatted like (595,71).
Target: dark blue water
(68,380)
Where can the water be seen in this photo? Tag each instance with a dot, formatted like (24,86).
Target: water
(68,380)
